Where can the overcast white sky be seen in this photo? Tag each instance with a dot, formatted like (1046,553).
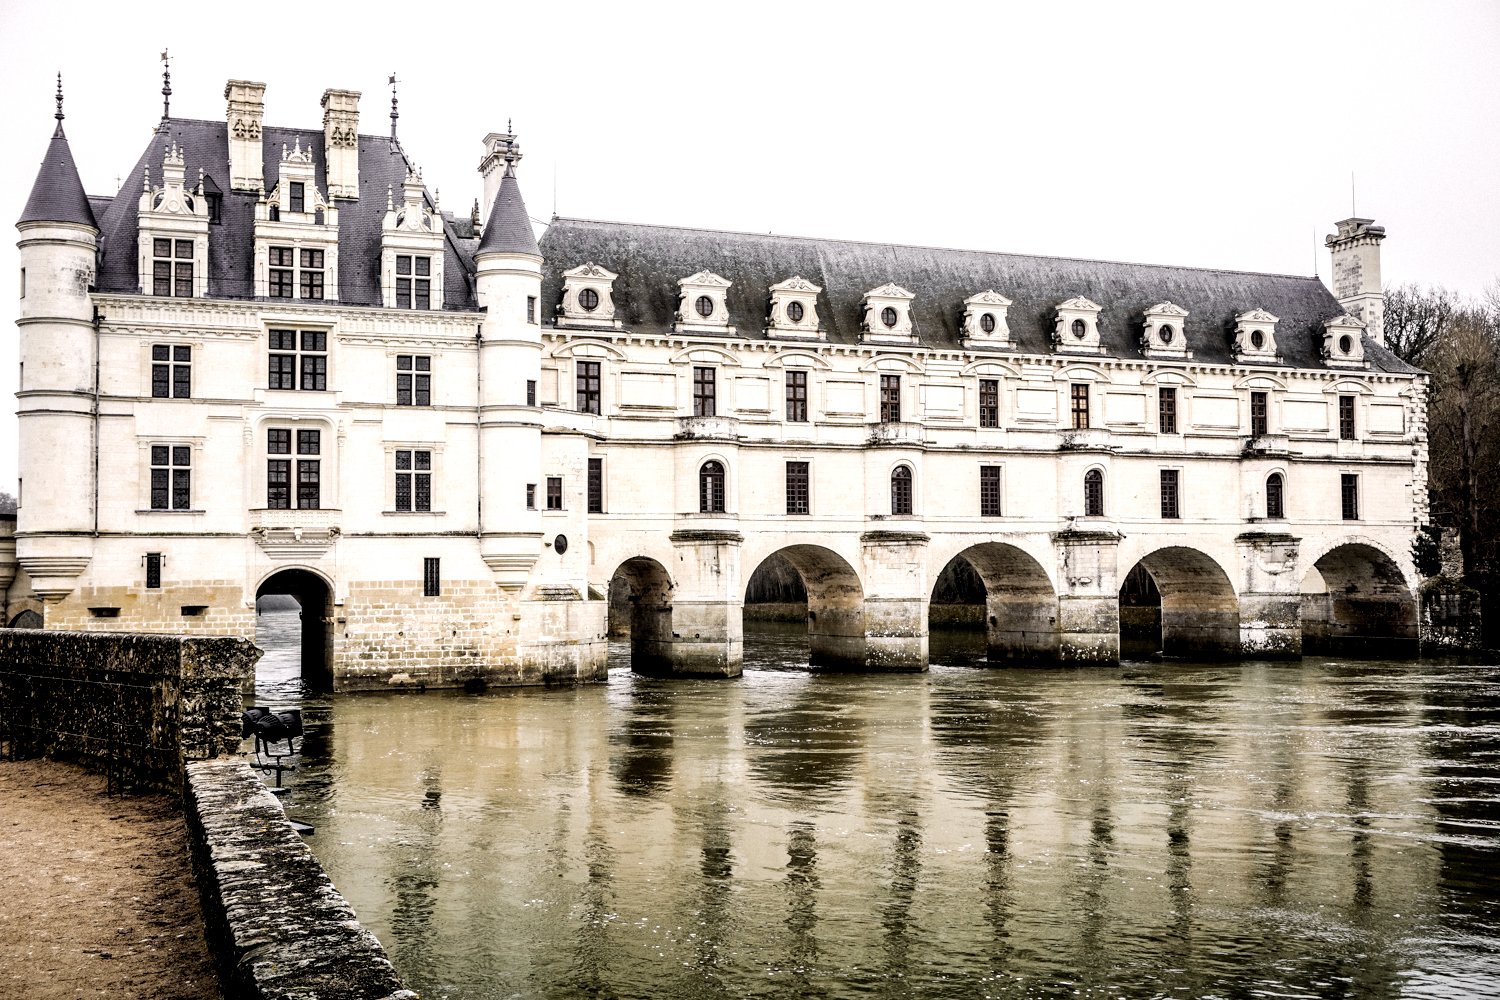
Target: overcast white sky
(1201,134)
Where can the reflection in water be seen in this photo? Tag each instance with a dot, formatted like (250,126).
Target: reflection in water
(1325,829)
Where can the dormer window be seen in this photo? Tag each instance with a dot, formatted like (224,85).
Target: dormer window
(887,313)
(413,281)
(794,309)
(1164,333)
(1076,329)
(1255,337)
(172,268)
(1343,342)
(701,304)
(172,238)
(411,249)
(984,320)
(299,268)
(296,235)
(296,197)
(588,297)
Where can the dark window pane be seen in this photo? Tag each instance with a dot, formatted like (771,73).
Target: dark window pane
(1093,493)
(1257,414)
(403,390)
(295,197)
(403,490)
(403,293)
(1346,418)
(159,489)
(431,580)
(596,486)
(703,392)
(423,363)
(307,484)
(182,381)
(403,264)
(989,402)
(185,249)
(1275,501)
(989,491)
(796,396)
(161,248)
(1350,490)
(182,489)
(279,441)
(554,493)
(153,570)
(159,380)
(182,354)
(314,340)
(424,390)
(1080,394)
(161,278)
(422,294)
(711,488)
(890,399)
(181,455)
(1169,508)
(403,460)
(1166,410)
(278,477)
(797,491)
(159,454)
(184,281)
(160,352)
(423,460)
(424,266)
(314,372)
(308,442)
(588,386)
(423,491)
(901,492)
(403,362)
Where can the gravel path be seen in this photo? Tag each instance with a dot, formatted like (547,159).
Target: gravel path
(97,896)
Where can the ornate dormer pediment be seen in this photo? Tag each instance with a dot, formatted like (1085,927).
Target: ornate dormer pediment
(1165,332)
(588,297)
(296,234)
(984,320)
(1343,342)
(172,234)
(701,305)
(411,248)
(794,309)
(1076,330)
(887,314)
(1255,337)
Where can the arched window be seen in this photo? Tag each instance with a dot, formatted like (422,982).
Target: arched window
(1275,497)
(711,488)
(1093,493)
(901,490)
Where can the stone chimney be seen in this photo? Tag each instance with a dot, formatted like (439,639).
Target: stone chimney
(492,167)
(247,109)
(1356,273)
(341,142)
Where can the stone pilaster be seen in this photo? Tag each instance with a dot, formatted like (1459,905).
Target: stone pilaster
(1088,600)
(1270,602)
(896,595)
(707,609)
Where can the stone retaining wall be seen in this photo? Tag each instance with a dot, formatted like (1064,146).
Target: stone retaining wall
(278,926)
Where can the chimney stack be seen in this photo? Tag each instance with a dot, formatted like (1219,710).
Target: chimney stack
(1356,273)
(496,146)
(341,142)
(247,110)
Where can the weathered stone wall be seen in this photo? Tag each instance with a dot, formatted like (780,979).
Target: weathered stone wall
(135,706)
(1451,623)
(274,919)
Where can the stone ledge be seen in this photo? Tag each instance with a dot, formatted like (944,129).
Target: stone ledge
(279,928)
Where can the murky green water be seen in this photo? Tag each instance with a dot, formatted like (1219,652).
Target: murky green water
(1317,830)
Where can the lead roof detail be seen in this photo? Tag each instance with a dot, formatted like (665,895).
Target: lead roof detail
(57,195)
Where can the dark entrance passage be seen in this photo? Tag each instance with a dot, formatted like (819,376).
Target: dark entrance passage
(1140,616)
(811,585)
(640,609)
(996,599)
(1199,615)
(314,633)
(1355,603)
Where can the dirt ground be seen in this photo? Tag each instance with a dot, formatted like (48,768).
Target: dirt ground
(97,896)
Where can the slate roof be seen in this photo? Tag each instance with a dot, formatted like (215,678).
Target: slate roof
(231,242)
(650,261)
(509,229)
(57,195)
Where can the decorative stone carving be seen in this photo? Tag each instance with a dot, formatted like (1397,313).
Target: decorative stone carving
(1076,330)
(341,142)
(310,229)
(247,107)
(172,213)
(887,314)
(794,310)
(700,304)
(1255,337)
(411,243)
(984,320)
(588,297)
(1343,342)
(1165,333)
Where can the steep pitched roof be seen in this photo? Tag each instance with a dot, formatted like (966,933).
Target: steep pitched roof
(57,195)
(652,259)
(509,229)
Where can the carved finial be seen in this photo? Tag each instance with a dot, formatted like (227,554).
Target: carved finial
(390,205)
(297,148)
(146,180)
(200,180)
(508,129)
(437,197)
(166,86)
(474,215)
(394,113)
(283,152)
(59,114)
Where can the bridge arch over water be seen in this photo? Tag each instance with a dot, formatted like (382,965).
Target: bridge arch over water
(1357,601)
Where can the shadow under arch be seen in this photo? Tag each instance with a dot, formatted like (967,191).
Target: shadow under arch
(1200,614)
(26,619)
(835,603)
(640,605)
(1019,605)
(314,595)
(1356,602)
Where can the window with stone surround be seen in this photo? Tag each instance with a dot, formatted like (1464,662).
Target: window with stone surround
(798,492)
(282,462)
(1258,414)
(554,493)
(1166,410)
(431,577)
(531,496)
(711,488)
(1093,493)
(1080,396)
(1275,496)
(989,401)
(413,380)
(413,480)
(705,402)
(172,268)
(1346,418)
(1349,490)
(1170,508)
(596,486)
(796,397)
(901,490)
(589,380)
(989,491)
(413,281)
(298,360)
(171,477)
(171,371)
(295,272)
(890,399)
(153,570)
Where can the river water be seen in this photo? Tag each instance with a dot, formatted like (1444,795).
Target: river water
(1318,829)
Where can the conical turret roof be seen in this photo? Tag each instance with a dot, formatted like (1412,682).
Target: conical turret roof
(57,195)
(509,227)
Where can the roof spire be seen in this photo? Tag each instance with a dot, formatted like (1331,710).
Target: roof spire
(394,113)
(59,114)
(166,86)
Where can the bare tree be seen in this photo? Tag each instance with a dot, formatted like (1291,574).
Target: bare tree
(1415,319)
(8,503)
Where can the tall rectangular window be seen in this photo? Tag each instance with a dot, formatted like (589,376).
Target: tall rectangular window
(153,570)
(1080,395)
(588,386)
(295,353)
(312,274)
(531,496)
(705,403)
(1258,421)
(171,477)
(278,470)
(1169,504)
(172,268)
(413,480)
(531,392)
(309,470)
(554,493)
(171,371)
(314,356)
(296,197)
(989,402)
(431,578)
(413,281)
(282,272)
(1349,488)
(596,486)
(798,494)
(413,380)
(279,466)
(989,491)
(1166,410)
(1346,418)
(890,399)
(796,396)
(531,308)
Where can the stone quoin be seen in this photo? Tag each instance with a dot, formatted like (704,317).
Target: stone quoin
(272,363)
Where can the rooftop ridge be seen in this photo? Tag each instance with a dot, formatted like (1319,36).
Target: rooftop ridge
(922,246)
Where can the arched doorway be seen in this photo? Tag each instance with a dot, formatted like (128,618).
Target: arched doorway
(818,586)
(276,628)
(1355,602)
(1199,614)
(640,609)
(998,598)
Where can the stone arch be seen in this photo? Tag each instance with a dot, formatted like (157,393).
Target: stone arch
(313,592)
(640,605)
(1020,603)
(835,604)
(1356,601)
(1200,613)
(27,619)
